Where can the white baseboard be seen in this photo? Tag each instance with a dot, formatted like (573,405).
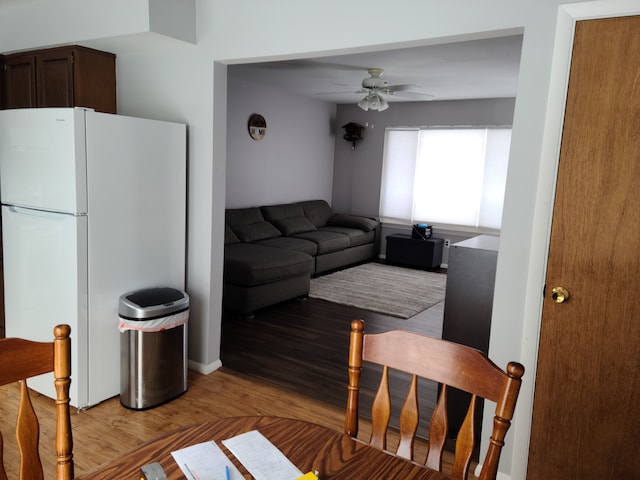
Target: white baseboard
(204,369)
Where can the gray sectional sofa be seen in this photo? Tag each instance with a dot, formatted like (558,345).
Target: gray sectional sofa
(271,252)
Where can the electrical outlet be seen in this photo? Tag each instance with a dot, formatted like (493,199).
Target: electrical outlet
(447,243)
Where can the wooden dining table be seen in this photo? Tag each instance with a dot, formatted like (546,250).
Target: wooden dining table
(309,446)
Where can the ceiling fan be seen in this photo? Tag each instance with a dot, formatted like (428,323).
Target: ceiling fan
(375,86)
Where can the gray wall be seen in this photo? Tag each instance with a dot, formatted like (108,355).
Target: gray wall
(293,162)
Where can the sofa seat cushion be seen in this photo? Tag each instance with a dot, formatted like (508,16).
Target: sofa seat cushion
(327,241)
(251,264)
(291,243)
(355,235)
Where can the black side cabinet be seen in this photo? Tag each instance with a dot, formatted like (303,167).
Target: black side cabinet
(468,305)
(414,252)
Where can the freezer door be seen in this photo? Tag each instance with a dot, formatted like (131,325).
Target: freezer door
(45,278)
(43,159)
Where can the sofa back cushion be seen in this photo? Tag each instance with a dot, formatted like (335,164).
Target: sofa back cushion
(354,221)
(230,237)
(278,212)
(242,216)
(318,211)
(293,225)
(288,218)
(249,225)
(254,232)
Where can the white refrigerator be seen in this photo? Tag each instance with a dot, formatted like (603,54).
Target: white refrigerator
(93,206)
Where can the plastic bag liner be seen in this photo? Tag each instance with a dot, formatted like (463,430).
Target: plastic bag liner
(156,324)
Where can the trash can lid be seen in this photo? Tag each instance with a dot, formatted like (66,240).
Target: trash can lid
(152,303)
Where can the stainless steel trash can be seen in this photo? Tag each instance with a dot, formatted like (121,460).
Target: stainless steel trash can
(153,346)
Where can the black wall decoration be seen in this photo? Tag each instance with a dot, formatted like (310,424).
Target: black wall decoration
(353,133)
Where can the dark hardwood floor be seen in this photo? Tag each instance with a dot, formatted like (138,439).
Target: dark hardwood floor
(302,345)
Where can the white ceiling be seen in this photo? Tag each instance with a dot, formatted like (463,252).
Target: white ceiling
(486,68)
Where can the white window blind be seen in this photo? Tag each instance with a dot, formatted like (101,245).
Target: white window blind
(447,177)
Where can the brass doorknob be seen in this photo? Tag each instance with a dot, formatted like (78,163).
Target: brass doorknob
(560,294)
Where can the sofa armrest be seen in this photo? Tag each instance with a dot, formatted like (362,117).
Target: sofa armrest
(354,221)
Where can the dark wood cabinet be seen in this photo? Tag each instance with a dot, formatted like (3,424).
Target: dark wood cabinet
(1,82)
(60,77)
(55,79)
(468,305)
(20,81)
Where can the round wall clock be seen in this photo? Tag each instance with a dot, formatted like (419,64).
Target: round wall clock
(257,126)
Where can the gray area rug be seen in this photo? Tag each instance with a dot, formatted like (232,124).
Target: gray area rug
(395,291)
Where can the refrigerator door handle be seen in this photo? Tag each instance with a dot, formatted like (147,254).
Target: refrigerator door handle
(36,213)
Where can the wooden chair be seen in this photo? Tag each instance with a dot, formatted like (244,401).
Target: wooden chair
(451,365)
(19,360)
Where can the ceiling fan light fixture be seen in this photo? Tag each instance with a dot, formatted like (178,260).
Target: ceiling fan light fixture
(383,104)
(373,101)
(364,103)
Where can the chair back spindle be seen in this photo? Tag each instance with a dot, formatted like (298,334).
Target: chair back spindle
(20,360)
(452,366)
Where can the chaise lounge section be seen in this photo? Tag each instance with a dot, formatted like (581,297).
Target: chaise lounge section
(271,252)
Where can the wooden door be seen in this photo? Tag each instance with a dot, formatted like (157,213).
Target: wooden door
(2,327)
(20,81)
(586,423)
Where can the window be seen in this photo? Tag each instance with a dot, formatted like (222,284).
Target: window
(450,177)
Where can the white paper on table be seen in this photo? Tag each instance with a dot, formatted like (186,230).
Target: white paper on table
(261,458)
(205,461)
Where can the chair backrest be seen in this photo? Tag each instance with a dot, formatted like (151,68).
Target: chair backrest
(19,360)
(449,364)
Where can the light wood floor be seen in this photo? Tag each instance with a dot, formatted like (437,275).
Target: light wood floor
(107,430)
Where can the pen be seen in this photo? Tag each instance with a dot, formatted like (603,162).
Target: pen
(227,472)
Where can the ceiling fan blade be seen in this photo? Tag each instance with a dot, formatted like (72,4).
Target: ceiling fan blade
(401,88)
(413,94)
(362,91)
(406,90)
(334,93)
